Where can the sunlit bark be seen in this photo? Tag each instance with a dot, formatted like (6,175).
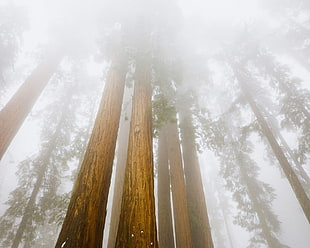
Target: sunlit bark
(289,172)
(85,218)
(165,228)
(137,225)
(180,204)
(16,110)
(200,226)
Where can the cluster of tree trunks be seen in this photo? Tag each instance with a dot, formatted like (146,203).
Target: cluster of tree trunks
(278,152)
(133,216)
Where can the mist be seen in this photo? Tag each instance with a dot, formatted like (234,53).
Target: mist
(154,124)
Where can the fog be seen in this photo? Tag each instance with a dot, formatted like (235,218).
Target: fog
(216,107)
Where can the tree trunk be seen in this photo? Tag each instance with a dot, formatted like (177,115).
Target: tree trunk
(16,110)
(28,214)
(266,232)
(289,172)
(165,228)
(137,226)
(85,218)
(119,179)
(301,172)
(180,205)
(200,226)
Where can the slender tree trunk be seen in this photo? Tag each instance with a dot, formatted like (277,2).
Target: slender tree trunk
(16,110)
(299,167)
(165,228)
(28,214)
(302,173)
(119,180)
(200,226)
(266,233)
(227,228)
(289,172)
(300,170)
(137,226)
(85,218)
(180,205)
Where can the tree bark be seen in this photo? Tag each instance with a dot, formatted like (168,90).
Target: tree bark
(165,228)
(289,172)
(85,218)
(200,225)
(16,110)
(180,204)
(119,180)
(137,226)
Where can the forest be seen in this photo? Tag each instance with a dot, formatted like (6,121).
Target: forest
(159,123)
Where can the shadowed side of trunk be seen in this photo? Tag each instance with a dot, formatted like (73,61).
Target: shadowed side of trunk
(180,205)
(165,228)
(200,226)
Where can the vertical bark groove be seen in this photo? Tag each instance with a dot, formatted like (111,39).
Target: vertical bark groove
(180,204)
(165,228)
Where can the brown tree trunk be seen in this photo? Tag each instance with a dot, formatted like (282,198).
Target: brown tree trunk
(119,179)
(137,226)
(16,110)
(180,205)
(165,228)
(85,218)
(200,226)
(289,172)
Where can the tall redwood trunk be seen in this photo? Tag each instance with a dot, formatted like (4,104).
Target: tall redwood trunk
(16,110)
(85,218)
(180,205)
(200,226)
(119,178)
(137,226)
(165,228)
(289,172)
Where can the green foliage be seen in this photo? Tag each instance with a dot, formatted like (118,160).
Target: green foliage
(63,139)
(163,112)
